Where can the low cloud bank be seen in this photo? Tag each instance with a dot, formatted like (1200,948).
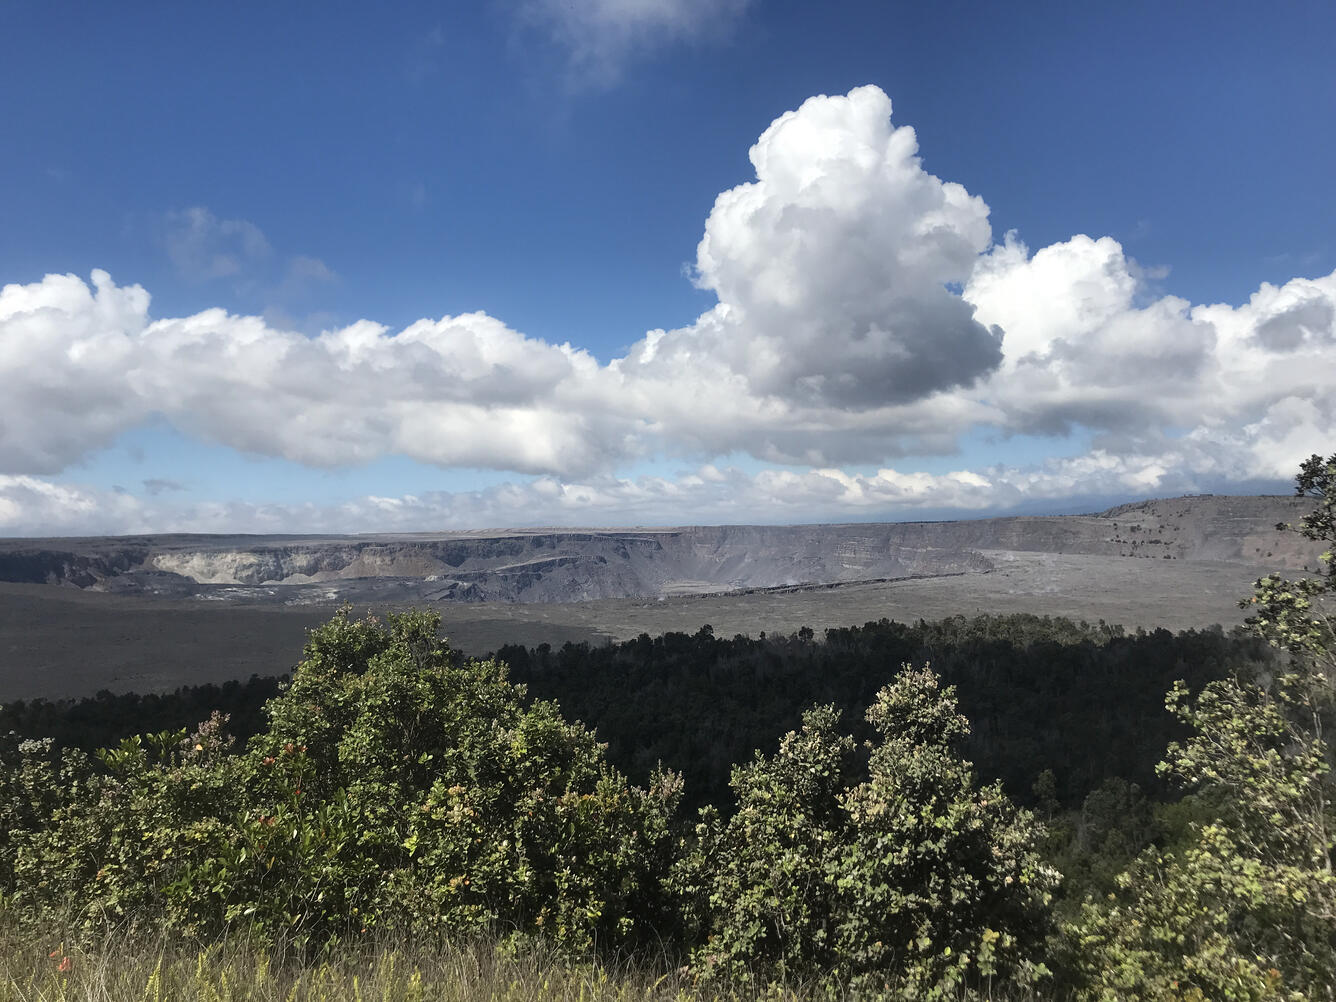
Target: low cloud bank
(33,506)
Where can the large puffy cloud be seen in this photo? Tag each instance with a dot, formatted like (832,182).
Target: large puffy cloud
(836,337)
(839,337)
(1271,388)
(1087,345)
(65,354)
(833,263)
(832,268)
(460,391)
(83,365)
(1080,347)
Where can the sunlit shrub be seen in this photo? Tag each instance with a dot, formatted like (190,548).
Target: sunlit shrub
(915,883)
(397,786)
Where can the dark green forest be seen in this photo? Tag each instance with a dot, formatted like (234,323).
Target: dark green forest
(998,806)
(1083,702)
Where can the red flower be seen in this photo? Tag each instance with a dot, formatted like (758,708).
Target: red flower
(65,965)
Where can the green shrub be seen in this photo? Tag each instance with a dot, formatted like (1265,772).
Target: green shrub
(1244,909)
(915,883)
(397,786)
(94,841)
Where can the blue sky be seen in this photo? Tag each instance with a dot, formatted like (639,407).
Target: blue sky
(331,267)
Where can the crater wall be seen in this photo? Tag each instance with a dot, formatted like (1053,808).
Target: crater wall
(564,565)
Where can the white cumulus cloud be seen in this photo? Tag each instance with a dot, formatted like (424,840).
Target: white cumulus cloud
(1086,345)
(831,267)
(83,365)
(863,316)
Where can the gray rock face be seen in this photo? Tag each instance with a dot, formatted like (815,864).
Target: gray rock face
(577,565)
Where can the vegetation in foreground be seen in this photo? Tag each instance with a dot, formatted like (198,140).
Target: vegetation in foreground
(236,971)
(396,791)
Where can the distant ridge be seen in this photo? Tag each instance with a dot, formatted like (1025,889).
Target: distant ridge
(566,565)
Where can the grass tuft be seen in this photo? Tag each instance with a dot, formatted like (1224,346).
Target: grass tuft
(36,968)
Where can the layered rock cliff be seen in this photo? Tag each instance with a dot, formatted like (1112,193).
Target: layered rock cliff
(575,565)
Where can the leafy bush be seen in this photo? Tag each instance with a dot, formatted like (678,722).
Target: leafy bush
(1245,908)
(97,840)
(915,883)
(396,786)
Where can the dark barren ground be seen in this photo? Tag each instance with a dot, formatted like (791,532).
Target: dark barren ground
(153,613)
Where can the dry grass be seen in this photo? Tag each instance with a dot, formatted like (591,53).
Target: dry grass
(36,968)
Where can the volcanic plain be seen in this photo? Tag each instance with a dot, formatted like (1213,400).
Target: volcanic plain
(151,613)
